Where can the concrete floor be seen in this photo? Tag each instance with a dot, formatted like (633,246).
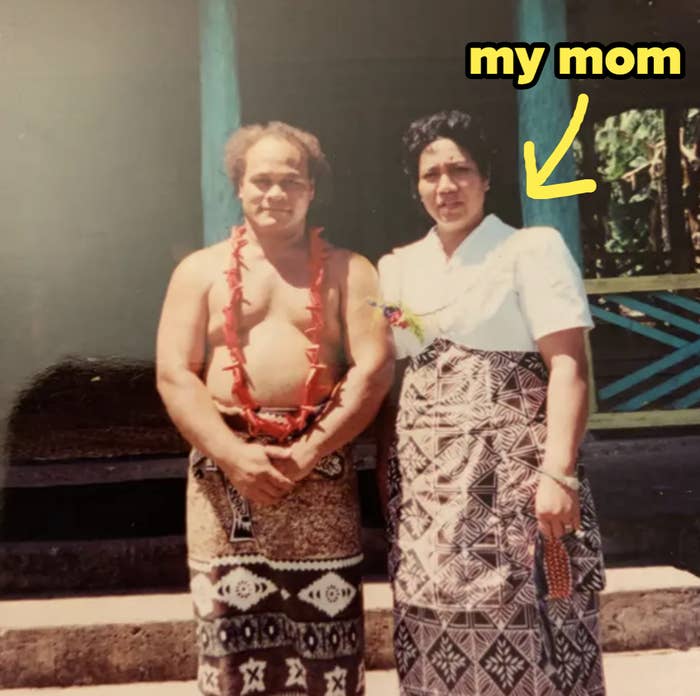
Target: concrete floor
(663,673)
(649,673)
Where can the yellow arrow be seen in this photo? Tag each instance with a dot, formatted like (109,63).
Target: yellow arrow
(535,179)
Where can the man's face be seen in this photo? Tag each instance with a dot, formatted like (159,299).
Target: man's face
(275,189)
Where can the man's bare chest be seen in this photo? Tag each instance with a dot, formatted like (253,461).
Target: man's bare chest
(268,295)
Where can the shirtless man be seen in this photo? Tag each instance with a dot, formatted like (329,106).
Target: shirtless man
(270,360)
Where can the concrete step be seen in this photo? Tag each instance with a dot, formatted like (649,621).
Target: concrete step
(150,638)
(112,566)
(652,673)
(97,565)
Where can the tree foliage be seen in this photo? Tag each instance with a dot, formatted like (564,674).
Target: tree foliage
(630,234)
(629,149)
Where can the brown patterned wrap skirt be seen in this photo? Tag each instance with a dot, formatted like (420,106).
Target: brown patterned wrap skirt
(276,589)
(470,616)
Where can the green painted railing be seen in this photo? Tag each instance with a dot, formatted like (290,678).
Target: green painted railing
(666,391)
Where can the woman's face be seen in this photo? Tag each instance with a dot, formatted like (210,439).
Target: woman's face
(450,185)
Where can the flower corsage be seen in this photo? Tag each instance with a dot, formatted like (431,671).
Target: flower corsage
(401,317)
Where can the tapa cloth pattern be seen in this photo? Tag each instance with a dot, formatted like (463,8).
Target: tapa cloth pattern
(470,437)
(276,589)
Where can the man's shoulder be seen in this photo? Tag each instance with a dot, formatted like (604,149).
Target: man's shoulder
(351,272)
(200,266)
(341,259)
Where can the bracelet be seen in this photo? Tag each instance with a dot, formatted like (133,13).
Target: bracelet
(570,482)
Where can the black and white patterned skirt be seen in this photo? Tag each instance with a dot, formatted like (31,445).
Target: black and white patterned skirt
(469,619)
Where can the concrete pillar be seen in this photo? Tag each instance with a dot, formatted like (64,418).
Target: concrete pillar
(544,112)
(220,113)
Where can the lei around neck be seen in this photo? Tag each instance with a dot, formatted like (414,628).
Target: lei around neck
(289,423)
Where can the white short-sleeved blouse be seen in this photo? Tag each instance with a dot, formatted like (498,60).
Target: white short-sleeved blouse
(502,289)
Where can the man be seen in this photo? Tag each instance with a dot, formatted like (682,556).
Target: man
(270,360)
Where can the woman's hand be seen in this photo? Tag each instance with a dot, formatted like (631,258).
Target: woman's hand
(556,508)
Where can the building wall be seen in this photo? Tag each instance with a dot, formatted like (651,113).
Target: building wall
(99,176)
(357,72)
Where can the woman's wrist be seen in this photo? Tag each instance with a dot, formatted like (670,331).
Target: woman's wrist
(563,464)
(568,481)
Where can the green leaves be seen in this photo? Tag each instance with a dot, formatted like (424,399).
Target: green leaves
(630,153)
(628,141)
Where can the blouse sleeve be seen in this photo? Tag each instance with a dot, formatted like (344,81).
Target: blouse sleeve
(549,284)
(389,268)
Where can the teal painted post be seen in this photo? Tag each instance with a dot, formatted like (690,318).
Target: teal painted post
(220,113)
(544,112)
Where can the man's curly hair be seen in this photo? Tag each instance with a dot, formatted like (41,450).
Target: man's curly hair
(464,129)
(244,138)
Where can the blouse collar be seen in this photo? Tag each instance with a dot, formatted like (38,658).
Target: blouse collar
(474,244)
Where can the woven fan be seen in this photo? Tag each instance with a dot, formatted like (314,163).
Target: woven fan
(557,569)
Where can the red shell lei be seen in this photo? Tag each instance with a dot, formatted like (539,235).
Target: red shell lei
(283,427)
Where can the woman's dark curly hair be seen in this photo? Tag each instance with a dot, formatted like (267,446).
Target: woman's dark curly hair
(464,129)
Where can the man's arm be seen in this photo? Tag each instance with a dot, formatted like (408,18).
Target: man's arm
(567,410)
(358,395)
(180,353)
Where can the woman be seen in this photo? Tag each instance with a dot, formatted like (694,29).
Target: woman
(482,478)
